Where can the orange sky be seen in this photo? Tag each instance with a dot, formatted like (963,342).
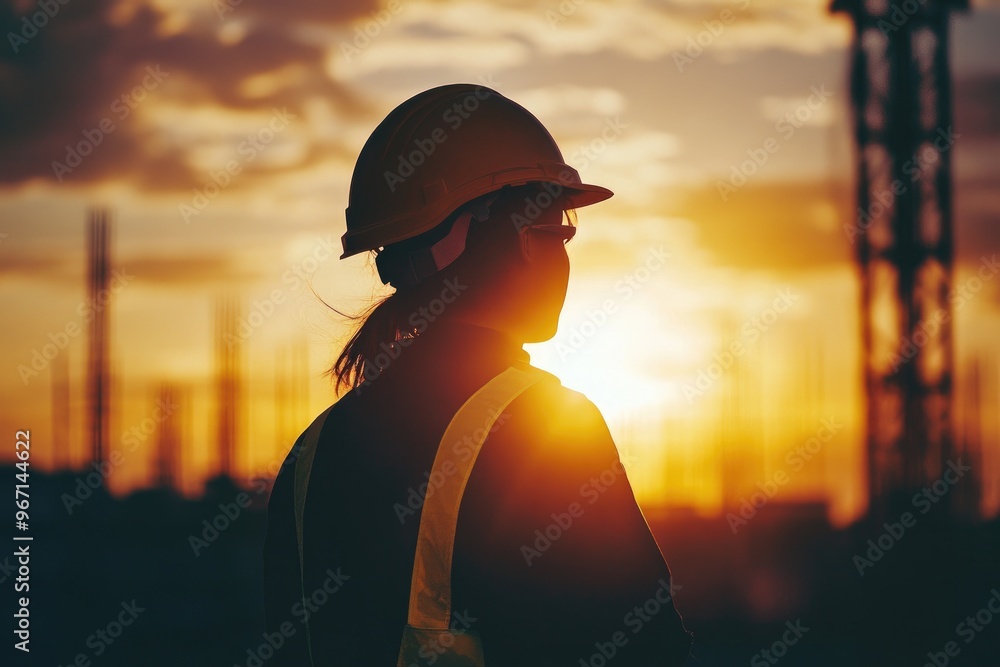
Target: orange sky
(173,90)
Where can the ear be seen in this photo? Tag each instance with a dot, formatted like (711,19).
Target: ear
(523,241)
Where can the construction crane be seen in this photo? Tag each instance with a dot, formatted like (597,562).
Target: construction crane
(902,234)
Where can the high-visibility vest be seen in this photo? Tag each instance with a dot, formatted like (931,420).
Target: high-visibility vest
(427,622)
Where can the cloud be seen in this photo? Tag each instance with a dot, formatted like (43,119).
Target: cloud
(49,265)
(405,52)
(65,266)
(564,100)
(190,270)
(782,227)
(641,29)
(91,75)
(804,109)
(789,226)
(302,10)
(641,165)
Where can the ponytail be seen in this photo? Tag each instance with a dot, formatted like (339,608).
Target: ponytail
(387,321)
(382,324)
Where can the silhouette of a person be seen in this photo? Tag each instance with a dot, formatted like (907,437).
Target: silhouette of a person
(553,562)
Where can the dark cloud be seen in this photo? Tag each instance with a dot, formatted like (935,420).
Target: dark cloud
(977,107)
(201,271)
(51,266)
(63,81)
(324,11)
(66,266)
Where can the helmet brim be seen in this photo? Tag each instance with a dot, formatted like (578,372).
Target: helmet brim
(586,194)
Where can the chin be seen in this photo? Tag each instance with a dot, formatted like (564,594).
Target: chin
(542,334)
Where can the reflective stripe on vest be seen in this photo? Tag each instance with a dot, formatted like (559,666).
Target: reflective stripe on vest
(429,612)
(303,468)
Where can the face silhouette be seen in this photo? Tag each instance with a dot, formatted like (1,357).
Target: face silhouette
(517,275)
(546,273)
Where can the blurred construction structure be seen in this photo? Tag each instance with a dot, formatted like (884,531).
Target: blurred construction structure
(229,380)
(902,108)
(291,395)
(99,230)
(168,471)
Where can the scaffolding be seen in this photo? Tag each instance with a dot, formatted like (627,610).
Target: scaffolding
(901,97)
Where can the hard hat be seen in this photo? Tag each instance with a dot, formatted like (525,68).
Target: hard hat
(445,147)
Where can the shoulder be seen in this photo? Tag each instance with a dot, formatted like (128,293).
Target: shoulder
(560,401)
(554,421)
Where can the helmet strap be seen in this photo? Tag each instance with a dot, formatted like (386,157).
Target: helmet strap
(419,264)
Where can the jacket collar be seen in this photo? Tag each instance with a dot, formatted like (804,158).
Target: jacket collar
(461,339)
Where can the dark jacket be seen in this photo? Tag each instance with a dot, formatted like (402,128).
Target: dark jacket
(554,562)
